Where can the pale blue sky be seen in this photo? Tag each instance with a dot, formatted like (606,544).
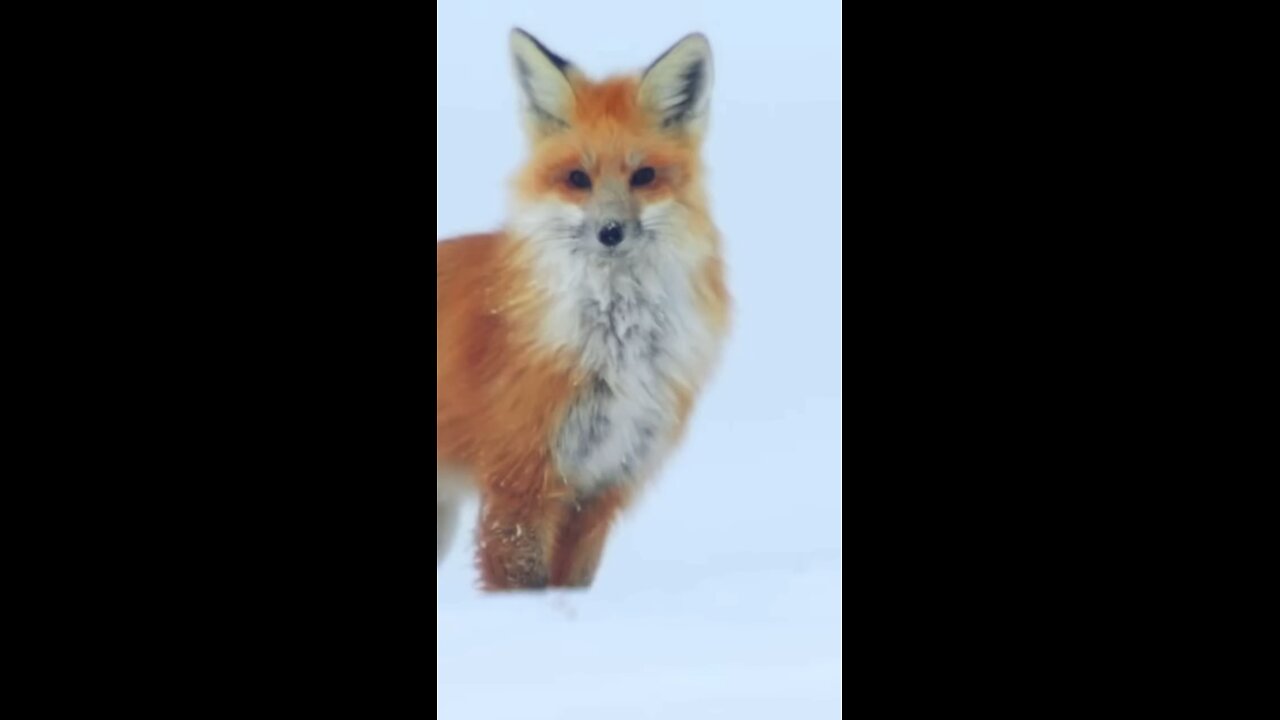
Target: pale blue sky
(721,590)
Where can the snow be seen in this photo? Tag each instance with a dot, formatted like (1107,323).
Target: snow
(720,593)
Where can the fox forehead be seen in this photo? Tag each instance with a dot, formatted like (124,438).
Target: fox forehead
(607,150)
(611,102)
(609,128)
(609,136)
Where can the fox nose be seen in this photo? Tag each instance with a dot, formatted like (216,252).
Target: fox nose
(611,234)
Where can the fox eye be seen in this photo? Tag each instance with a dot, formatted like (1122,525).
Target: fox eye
(579,179)
(642,177)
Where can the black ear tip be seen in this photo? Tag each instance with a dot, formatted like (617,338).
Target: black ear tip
(560,62)
(518,33)
(696,37)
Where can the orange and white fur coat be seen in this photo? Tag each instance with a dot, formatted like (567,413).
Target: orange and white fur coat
(572,345)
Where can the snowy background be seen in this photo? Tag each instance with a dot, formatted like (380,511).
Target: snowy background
(720,593)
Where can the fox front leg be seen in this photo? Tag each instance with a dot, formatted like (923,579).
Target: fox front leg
(516,535)
(581,538)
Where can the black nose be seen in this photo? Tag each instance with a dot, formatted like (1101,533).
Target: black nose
(611,234)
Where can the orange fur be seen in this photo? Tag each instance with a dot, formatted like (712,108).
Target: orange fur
(502,391)
(497,402)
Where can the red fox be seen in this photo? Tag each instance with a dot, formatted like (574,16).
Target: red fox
(572,345)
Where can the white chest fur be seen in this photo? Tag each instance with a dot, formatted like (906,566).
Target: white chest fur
(632,321)
(621,422)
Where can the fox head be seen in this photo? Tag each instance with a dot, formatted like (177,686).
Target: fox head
(614,166)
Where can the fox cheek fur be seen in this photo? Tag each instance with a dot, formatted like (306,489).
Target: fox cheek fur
(571,346)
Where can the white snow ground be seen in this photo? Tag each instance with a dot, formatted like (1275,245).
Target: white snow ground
(721,592)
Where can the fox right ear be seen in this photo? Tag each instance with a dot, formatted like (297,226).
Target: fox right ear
(546,94)
(676,88)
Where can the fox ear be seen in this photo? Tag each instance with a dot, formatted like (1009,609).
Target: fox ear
(676,88)
(543,77)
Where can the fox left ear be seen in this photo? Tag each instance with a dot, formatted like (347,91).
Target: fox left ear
(543,77)
(676,88)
